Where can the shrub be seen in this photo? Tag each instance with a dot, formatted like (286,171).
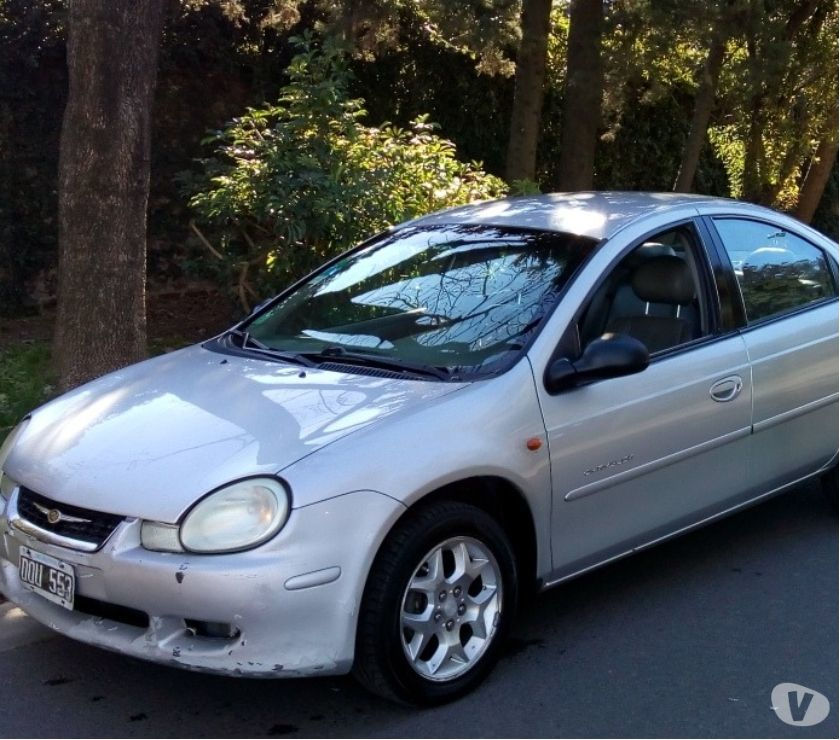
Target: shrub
(26,381)
(294,183)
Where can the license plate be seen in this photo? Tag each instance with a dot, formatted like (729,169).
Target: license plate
(51,578)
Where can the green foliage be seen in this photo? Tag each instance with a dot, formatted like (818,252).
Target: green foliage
(33,81)
(409,58)
(293,183)
(558,46)
(26,381)
(420,76)
(485,30)
(779,90)
(524,187)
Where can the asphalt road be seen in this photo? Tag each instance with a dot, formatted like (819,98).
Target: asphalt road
(687,639)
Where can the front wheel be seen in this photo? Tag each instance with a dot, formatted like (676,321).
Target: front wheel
(438,603)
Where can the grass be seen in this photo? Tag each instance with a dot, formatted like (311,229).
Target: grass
(26,381)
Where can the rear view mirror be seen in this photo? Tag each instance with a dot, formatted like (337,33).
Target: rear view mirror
(609,356)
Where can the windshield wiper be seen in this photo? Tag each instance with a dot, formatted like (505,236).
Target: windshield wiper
(339,354)
(249,344)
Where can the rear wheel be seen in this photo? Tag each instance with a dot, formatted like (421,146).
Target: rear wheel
(438,603)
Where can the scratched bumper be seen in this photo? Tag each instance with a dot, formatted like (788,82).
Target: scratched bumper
(292,603)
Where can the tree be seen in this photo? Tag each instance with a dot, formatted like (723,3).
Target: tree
(582,99)
(528,91)
(778,88)
(104,186)
(771,47)
(704,99)
(817,177)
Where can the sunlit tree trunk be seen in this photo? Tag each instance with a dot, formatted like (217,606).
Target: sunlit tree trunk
(582,99)
(704,103)
(528,91)
(815,180)
(112,48)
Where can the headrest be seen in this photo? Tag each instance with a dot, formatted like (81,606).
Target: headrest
(655,249)
(664,279)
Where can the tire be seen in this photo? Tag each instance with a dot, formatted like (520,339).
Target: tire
(420,559)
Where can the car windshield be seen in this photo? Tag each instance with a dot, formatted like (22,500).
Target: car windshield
(457,297)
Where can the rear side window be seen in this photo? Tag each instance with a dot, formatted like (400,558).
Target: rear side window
(777,271)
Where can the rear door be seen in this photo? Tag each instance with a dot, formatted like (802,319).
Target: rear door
(788,284)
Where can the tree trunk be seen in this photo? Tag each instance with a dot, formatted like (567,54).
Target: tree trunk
(582,99)
(815,181)
(704,102)
(754,165)
(103,185)
(528,91)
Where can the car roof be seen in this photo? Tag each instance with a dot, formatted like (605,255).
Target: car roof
(598,215)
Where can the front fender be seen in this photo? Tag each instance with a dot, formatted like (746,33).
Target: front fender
(480,431)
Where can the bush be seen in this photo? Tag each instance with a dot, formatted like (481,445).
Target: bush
(294,183)
(26,381)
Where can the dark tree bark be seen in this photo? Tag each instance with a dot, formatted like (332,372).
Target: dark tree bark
(528,91)
(704,103)
(112,48)
(815,181)
(582,100)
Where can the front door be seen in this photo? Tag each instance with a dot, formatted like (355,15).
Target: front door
(638,457)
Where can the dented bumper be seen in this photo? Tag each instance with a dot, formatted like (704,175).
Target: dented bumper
(288,608)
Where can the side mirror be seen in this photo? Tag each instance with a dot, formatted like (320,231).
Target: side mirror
(609,356)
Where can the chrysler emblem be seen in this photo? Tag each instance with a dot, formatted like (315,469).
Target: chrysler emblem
(54,516)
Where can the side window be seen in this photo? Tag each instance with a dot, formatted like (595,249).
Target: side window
(654,294)
(777,271)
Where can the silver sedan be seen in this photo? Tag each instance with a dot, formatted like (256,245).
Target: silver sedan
(371,470)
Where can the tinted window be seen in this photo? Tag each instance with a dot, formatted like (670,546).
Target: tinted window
(455,296)
(777,271)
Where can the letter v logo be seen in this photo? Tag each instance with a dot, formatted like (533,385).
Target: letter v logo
(798,709)
(798,705)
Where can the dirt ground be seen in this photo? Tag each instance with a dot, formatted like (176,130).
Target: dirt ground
(176,318)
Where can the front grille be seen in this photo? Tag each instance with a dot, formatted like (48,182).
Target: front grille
(96,528)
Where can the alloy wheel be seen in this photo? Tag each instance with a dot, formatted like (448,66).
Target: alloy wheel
(451,608)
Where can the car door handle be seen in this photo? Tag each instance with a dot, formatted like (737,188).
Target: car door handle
(726,389)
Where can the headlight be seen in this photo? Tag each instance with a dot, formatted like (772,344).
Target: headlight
(237,517)
(6,484)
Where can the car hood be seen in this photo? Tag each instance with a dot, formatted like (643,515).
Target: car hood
(149,440)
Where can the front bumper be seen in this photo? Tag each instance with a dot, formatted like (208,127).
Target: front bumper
(291,604)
